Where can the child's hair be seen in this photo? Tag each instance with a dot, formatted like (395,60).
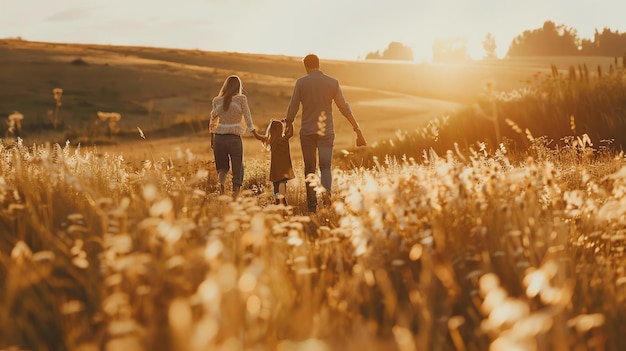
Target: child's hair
(275,131)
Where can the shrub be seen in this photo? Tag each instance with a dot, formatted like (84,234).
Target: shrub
(79,62)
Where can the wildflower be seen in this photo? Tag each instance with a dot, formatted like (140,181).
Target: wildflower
(213,249)
(585,322)
(71,307)
(21,252)
(141,133)
(111,118)
(416,252)
(15,123)
(103,116)
(253,305)
(56,93)
(247,282)
(16,116)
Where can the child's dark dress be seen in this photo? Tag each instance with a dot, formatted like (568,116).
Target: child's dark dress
(280,159)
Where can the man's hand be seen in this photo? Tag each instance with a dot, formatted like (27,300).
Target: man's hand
(288,128)
(360,139)
(212,139)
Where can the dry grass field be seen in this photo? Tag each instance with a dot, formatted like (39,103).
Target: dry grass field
(124,243)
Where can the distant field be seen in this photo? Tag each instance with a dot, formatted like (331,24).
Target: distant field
(157,88)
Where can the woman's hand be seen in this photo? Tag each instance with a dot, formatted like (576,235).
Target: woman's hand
(212,139)
(257,135)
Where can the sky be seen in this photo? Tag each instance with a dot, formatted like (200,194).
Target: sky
(332,29)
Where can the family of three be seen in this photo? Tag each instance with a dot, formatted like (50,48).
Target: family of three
(315,92)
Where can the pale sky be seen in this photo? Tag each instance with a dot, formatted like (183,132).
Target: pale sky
(333,29)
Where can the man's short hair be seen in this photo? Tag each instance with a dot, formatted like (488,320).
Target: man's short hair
(311,61)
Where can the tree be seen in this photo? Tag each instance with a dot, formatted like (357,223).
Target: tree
(489,45)
(398,51)
(450,50)
(550,40)
(605,43)
(373,56)
(395,51)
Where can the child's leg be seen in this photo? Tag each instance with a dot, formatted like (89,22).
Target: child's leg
(282,192)
(276,192)
(282,188)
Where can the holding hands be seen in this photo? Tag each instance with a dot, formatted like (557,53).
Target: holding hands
(258,136)
(288,127)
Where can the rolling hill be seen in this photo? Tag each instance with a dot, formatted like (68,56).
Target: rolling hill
(167,92)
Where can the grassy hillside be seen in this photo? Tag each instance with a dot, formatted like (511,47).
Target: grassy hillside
(167,92)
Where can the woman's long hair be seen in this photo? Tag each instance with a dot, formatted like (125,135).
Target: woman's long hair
(232,86)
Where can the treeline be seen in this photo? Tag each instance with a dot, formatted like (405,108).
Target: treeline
(559,40)
(549,40)
(395,51)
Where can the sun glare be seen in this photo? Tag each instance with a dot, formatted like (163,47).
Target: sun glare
(424,46)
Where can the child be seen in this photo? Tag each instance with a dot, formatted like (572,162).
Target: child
(281,170)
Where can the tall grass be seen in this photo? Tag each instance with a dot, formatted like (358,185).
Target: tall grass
(554,106)
(459,251)
(469,234)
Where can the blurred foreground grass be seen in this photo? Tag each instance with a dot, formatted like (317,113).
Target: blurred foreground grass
(460,251)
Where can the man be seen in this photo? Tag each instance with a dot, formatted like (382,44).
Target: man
(316,91)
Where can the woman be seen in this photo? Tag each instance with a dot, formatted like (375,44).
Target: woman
(229,114)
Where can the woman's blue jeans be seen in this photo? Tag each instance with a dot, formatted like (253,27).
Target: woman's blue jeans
(228,150)
(314,146)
